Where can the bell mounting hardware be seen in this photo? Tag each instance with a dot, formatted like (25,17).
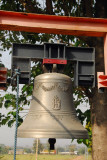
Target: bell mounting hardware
(55,53)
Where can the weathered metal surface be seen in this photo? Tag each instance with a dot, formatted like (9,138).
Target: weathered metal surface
(39,23)
(52,113)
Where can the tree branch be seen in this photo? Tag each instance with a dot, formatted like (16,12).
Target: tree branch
(101,9)
(87,8)
(49,7)
(90,41)
(65,8)
(30,6)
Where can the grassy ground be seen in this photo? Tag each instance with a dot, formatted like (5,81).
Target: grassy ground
(44,157)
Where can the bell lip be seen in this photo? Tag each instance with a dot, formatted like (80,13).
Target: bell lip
(58,135)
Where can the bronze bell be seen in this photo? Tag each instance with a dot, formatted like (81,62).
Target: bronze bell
(52,113)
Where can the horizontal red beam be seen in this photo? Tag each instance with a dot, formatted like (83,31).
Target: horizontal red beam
(28,22)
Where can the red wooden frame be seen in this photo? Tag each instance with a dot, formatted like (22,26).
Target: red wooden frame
(39,23)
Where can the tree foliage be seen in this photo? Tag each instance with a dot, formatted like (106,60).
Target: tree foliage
(81,150)
(60,149)
(89,8)
(72,148)
(4,149)
(27,150)
(40,146)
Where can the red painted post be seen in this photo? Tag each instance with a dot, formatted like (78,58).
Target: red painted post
(101,76)
(105,53)
(3,78)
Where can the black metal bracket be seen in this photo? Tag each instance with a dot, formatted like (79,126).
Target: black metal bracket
(83,58)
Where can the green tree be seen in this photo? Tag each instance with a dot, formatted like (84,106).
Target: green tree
(81,150)
(80,8)
(72,148)
(27,150)
(60,149)
(48,146)
(4,149)
(40,146)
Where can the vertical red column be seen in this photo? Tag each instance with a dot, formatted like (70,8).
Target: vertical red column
(105,53)
(3,78)
(101,76)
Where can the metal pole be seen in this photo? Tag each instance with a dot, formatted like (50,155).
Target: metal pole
(17,98)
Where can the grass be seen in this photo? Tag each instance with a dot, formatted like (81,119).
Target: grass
(43,157)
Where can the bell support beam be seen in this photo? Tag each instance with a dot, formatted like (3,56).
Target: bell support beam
(16,21)
(55,53)
(39,23)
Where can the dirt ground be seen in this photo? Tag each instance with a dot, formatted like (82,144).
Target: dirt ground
(78,158)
